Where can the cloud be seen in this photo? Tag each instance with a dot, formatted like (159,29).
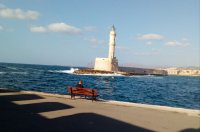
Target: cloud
(6,29)
(62,27)
(1,28)
(149,43)
(56,27)
(151,52)
(39,29)
(95,41)
(2,5)
(177,43)
(89,28)
(18,13)
(184,39)
(123,49)
(150,37)
(147,53)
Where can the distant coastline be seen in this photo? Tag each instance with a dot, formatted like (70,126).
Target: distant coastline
(180,71)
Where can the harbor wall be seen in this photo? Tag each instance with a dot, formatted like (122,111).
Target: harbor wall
(142,71)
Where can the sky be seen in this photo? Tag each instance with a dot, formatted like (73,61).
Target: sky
(150,33)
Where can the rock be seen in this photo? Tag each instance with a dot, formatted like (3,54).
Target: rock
(91,71)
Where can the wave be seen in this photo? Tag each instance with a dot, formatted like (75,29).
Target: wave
(108,75)
(12,68)
(142,76)
(24,73)
(147,76)
(71,71)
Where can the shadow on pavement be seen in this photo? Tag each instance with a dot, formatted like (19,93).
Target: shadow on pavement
(191,129)
(25,118)
(44,107)
(8,91)
(92,122)
(20,97)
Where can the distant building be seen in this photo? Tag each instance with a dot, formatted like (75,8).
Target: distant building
(172,71)
(110,63)
(183,71)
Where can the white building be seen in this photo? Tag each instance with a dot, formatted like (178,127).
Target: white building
(183,71)
(172,71)
(110,63)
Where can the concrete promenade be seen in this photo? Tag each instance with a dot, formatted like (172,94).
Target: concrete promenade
(26,111)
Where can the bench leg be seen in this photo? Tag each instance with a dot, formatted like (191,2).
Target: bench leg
(72,94)
(92,95)
(94,98)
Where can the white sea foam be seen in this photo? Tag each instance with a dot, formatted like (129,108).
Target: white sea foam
(13,68)
(108,75)
(70,71)
(147,76)
(24,73)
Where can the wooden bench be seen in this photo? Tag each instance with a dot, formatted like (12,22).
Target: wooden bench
(91,92)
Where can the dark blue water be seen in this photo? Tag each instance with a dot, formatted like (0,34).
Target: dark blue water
(175,91)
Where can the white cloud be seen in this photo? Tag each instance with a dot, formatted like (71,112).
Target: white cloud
(95,41)
(184,39)
(1,28)
(39,29)
(124,49)
(18,13)
(150,37)
(56,27)
(2,5)
(149,43)
(152,53)
(6,29)
(62,27)
(90,29)
(177,43)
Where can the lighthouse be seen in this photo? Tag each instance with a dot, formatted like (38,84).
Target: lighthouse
(111,53)
(113,62)
(110,63)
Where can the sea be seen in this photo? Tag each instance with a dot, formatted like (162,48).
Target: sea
(173,91)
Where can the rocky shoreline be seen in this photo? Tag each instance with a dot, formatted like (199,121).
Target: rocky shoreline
(92,71)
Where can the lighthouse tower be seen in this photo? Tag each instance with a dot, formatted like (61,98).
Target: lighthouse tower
(111,55)
(110,63)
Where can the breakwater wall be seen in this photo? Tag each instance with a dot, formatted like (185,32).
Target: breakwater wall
(142,71)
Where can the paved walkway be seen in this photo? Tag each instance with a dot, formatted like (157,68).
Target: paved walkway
(40,112)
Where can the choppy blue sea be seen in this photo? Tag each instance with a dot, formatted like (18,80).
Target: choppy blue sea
(175,91)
